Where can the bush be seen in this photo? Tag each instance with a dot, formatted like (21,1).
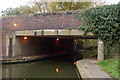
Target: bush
(104,23)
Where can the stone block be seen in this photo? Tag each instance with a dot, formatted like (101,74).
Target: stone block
(50,32)
(25,33)
(64,32)
(76,32)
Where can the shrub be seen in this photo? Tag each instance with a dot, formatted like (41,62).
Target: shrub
(104,23)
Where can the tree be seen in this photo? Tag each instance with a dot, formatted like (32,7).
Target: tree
(34,9)
(20,10)
(11,11)
(37,6)
(27,9)
(41,6)
(61,6)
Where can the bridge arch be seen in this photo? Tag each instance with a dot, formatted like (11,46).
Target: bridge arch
(68,36)
(61,24)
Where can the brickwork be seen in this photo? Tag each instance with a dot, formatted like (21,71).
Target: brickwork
(42,22)
(67,20)
(0,37)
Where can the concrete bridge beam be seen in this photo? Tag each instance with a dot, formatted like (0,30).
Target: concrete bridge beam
(13,45)
(7,45)
(50,32)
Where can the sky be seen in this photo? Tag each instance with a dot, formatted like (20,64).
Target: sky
(16,3)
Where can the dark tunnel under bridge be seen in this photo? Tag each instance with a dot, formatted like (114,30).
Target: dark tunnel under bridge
(37,42)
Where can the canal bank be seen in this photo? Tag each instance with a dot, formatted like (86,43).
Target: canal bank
(89,69)
(24,59)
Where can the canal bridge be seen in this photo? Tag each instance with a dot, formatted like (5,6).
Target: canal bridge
(25,35)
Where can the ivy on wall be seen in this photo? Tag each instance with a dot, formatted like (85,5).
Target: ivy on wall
(103,21)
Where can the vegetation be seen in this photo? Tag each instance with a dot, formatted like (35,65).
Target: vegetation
(41,7)
(90,43)
(11,11)
(88,53)
(103,22)
(62,6)
(89,48)
(111,66)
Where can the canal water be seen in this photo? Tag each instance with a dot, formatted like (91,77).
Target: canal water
(61,66)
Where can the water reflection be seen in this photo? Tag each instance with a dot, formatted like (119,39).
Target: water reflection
(74,63)
(58,67)
(57,70)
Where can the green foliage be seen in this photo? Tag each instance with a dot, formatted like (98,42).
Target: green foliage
(111,66)
(28,9)
(25,9)
(11,11)
(42,7)
(88,53)
(89,47)
(62,6)
(103,22)
(89,43)
(20,10)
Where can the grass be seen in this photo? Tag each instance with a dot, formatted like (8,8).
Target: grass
(110,66)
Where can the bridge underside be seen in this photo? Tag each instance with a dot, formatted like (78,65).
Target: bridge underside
(35,46)
(38,42)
